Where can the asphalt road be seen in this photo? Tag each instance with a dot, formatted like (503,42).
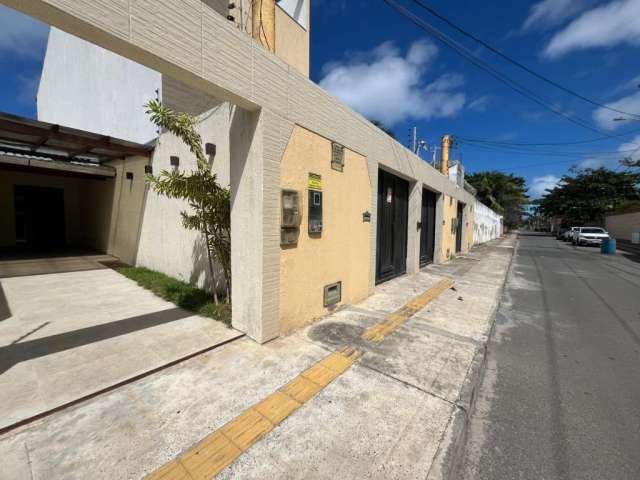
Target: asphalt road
(560,398)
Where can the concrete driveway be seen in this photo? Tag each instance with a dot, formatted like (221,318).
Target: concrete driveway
(68,335)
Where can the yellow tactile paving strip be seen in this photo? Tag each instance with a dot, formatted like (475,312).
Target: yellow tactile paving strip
(379,331)
(225,445)
(220,449)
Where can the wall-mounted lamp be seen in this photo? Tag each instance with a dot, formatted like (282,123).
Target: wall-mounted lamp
(210,149)
(148,169)
(129,175)
(174,160)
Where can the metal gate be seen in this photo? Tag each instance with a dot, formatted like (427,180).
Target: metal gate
(427,227)
(391,257)
(459,227)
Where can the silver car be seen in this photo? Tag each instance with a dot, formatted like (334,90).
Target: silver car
(589,236)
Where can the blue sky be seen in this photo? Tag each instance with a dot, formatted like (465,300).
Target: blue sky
(388,69)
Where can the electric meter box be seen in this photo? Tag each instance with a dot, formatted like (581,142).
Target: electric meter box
(290,217)
(315,212)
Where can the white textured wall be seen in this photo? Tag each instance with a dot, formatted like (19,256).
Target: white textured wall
(486,224)
(165,245)
(622,226)
(87,87)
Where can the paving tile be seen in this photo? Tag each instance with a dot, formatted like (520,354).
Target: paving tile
(277,406)
(301,389)
(245,429)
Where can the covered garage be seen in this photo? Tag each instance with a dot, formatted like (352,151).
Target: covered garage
(65,191)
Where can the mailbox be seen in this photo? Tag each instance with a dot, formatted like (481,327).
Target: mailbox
(315,212)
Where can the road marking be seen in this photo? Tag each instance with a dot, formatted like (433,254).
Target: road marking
(221,448)
(378,332)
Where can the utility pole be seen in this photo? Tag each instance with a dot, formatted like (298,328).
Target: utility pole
(414,139)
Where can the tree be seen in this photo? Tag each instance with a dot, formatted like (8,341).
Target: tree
(590,194)
(504,193)
(384,128)
(630,162)
(210,203)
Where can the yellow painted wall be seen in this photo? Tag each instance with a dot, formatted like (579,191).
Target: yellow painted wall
(342,252)
(127,208)
(292,42)
(469,235)
(450,210)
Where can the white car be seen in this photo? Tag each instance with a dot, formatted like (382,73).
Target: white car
(589,236)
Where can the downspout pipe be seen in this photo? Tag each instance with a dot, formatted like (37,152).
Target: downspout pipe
(263,23)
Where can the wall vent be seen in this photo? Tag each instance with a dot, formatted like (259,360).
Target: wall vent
(332,294)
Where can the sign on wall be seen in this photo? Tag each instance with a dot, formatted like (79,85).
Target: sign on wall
(315,181)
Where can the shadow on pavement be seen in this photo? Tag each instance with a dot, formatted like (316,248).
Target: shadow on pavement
(11,355)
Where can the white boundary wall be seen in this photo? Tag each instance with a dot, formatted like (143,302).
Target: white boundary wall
(487,224)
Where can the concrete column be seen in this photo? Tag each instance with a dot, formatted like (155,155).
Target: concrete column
(413,234)
(257,142)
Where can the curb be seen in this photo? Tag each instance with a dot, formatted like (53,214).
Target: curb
(450,453)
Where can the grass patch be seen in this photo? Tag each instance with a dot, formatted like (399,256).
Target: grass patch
(180,293)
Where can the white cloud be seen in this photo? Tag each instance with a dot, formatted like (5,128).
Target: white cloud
(480,104)
(549,13)
(540,185)
(594,162)
(632,84)
(605,118)
(22,35)
(631,149)
(615,23)
(383,85)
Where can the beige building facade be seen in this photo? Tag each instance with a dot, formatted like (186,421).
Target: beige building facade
(274,128)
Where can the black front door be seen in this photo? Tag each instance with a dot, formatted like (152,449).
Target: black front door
(393,194)
(427,227)
(459,228)
(39,217)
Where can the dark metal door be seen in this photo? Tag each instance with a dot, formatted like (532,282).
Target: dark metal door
(393,194)
(427,227)
(39,213)
(459,228)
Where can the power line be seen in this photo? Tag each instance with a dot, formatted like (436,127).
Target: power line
(515,62)
(549,144)
(528,152)
(468,55)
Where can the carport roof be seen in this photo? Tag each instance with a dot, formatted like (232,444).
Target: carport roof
(27,136)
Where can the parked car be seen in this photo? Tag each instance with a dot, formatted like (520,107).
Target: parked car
(560,233)
(589,236)
(568,235)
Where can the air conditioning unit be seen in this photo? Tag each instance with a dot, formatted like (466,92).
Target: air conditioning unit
(635,237)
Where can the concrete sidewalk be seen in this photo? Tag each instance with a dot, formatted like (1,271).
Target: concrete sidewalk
(392,414)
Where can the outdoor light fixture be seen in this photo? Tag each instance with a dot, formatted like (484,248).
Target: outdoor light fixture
(148,169)
(129,175)
(174,160)
(210,149)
